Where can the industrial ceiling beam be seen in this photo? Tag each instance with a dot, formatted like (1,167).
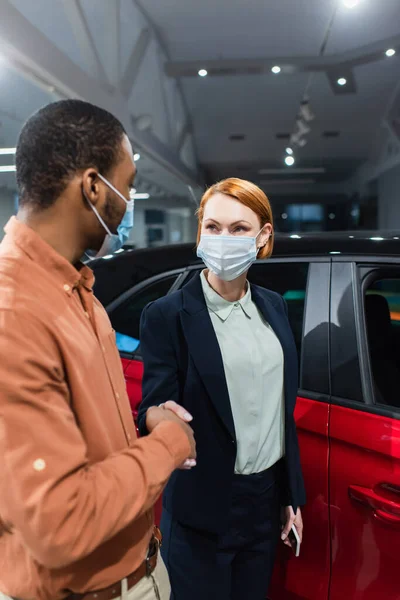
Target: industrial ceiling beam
(112,40)
(289,65)
(84,38)
(28,50)
(135,62)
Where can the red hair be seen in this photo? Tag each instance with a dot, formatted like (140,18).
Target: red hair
(249,195)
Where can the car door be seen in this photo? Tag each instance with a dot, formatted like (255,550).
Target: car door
(305,287)
(125,315)
(365,430)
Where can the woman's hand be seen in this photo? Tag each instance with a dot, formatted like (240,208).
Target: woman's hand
(289,519)
(183,414)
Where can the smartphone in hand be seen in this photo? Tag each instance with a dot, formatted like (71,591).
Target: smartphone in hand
(294,540)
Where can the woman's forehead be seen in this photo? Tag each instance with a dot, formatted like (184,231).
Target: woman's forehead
(221,208)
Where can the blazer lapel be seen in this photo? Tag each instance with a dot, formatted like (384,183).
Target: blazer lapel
(204,349)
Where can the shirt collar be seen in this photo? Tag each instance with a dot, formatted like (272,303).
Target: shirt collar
(42,253)
(221,307)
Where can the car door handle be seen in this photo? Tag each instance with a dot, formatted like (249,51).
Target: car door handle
(385,509)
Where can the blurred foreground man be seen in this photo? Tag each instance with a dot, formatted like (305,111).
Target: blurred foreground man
(77,488)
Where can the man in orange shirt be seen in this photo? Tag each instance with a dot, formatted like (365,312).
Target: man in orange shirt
(77,486)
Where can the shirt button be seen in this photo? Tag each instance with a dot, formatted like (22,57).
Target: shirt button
(39,464)
(236,304)
(67,288)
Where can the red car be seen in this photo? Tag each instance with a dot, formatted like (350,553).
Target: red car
(343,294)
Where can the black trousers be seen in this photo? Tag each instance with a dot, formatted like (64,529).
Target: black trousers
(236,565)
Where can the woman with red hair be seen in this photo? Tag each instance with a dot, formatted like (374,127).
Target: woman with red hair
(223,349)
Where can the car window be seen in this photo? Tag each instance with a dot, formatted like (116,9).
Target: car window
(125,318)
(382,319)
(289,280)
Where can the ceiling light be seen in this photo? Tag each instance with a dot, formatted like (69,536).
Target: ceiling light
(8,169)
(203,73)
(390,52)
(351,3)
(342,81)
(332,216)
(289,151)
(395,238)
(136,156)
(377,239)
(334,252)
(276,69)
(141,196)
(284,216)
(8,150)
(351,237)
(289,160)
(295,236)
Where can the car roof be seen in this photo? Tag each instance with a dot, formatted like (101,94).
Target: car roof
(121,272)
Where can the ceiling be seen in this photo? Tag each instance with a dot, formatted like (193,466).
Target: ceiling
(259,107)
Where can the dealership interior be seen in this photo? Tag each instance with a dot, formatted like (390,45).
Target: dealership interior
(302,98)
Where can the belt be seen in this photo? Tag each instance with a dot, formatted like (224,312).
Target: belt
(144,570)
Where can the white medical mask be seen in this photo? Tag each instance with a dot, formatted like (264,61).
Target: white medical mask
(114,241)
(228,256)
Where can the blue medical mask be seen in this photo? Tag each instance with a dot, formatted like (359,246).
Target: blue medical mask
(114,241)
(228,256)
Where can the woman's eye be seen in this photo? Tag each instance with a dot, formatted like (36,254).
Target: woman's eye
(211,227)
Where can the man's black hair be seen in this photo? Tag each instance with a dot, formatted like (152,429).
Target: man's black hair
(59,140)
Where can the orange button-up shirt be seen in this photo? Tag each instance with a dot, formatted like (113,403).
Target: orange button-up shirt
(77,487)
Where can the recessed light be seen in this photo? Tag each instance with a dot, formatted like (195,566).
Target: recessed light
(332,216)
(390,52)
(377,239)
(351,237)
(203,73)
(136,156)
(396,237)
(8,169)
(276,69)
(141,196)
(334,252)
(284,216)
(342,81)
(289,160)
(289,151)
(295,236)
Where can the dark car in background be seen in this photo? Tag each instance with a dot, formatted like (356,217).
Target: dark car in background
(343,296)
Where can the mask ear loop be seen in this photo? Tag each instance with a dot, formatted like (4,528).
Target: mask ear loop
(259,248)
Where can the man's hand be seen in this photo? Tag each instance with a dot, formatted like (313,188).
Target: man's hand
(157,414)
(289,518)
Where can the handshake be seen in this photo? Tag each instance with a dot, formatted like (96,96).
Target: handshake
(171,411)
